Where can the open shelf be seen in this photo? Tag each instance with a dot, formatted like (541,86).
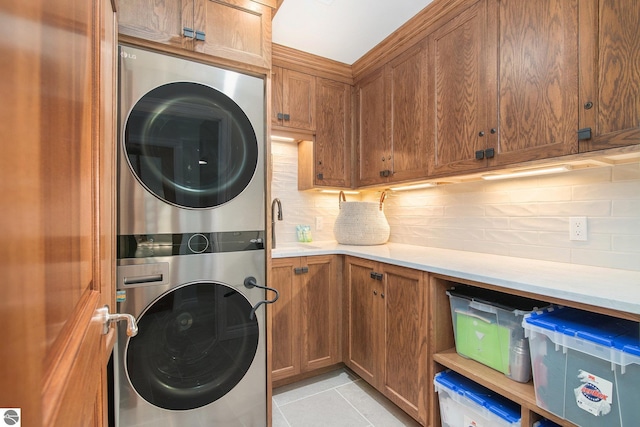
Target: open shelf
(523,394)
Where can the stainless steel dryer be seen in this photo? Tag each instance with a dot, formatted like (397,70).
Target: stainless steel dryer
(191,149)
(199,356)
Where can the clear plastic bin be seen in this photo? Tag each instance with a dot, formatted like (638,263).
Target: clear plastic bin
(586,366)
(487,326)
(466,403)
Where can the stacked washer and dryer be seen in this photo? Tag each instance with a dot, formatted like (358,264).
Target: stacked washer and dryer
(191,258)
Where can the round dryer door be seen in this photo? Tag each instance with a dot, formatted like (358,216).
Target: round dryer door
(190,145)
(194,344)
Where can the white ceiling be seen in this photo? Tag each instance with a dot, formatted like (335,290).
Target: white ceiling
(342,30)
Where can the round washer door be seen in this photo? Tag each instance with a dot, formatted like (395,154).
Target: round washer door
(190,145)
(195,343)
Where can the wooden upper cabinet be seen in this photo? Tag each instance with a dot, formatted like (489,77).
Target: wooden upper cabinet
(537,115)
(294,99)
(459,71)
(234,29)
(374,149)
(157,21)
(394,141)
(237,30)
(332,145)
(610,74)
(410,101)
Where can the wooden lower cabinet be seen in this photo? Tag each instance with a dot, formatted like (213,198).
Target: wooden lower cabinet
(305,321)
(386,331)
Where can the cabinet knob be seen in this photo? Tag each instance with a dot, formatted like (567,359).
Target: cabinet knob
(382,295)
(375,292)
(481,133)
(494,130)
(588,105)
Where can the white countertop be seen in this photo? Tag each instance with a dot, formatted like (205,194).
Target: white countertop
(603,287)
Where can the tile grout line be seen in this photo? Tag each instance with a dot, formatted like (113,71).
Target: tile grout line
(356,409)
(315,394)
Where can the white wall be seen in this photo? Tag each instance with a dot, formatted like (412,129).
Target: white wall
(526,217)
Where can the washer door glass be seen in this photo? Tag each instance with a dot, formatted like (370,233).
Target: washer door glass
(190,145)
(194,344)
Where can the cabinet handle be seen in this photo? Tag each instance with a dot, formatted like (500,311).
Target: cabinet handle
(287,117)
(320,176)
(301,270)
(588,105)
(200,35)
(280,116)
(490,153)
(188,32)
(479,154)
(584,133)
(372,274)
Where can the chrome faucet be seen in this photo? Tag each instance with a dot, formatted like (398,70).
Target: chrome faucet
(275,202)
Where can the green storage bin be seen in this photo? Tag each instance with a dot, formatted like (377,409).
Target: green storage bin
(488,324)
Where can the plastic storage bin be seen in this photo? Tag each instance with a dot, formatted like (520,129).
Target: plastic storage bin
(586,366)
(487,326)
(466,403)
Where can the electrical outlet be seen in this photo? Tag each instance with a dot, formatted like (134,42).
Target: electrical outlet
(578,228)
(319,223)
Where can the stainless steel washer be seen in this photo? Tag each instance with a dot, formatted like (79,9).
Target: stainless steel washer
(199,356)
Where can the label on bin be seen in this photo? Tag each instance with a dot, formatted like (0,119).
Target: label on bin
(469,422)
(595,394)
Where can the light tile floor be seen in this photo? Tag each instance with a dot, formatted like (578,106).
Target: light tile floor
(335,399)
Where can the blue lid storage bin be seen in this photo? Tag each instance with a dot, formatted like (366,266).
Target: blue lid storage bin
(487,327)
(465,403)
(586,366)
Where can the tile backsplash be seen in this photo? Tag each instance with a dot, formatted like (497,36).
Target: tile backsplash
(526,217)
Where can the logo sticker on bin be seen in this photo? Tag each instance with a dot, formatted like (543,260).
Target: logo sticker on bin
(595,394)
(469,422)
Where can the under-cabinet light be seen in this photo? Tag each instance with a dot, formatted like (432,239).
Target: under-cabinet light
(338,191)
(413,186)
(282,138)
(528,172)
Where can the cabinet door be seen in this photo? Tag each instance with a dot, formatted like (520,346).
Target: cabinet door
(332,146)
(461,90)
(239,30)
(160,21)
(411,139)
(294,102)
(537,78)
(319,299)
(405,339)
(285,354)
(374,151)
(610,74)
(363,320)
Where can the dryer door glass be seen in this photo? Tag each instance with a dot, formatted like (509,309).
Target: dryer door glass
(194,344)
(190,145)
